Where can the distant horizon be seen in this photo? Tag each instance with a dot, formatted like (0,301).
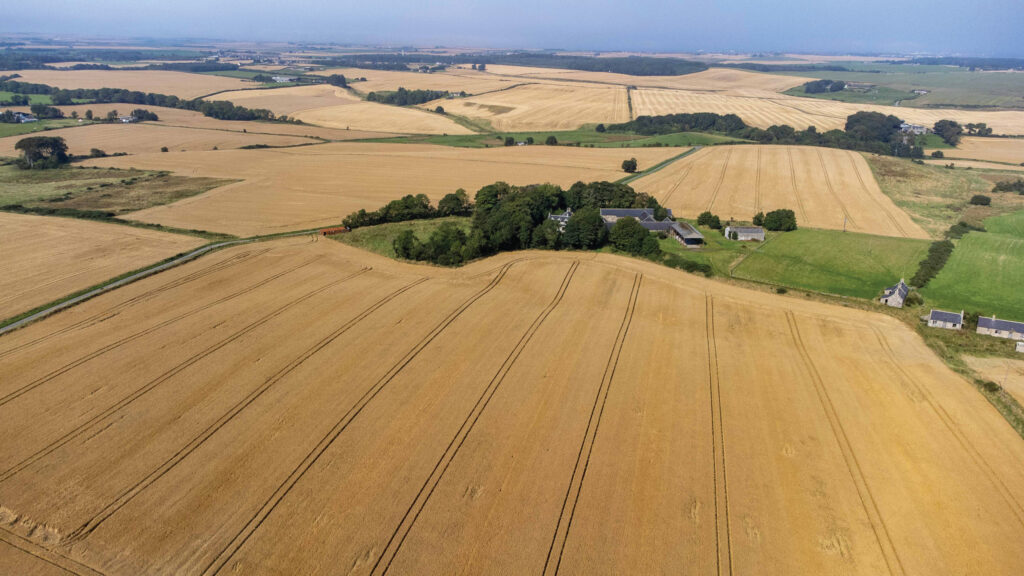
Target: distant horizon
(991,28)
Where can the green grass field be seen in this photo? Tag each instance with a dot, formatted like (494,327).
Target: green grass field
(830,261)
(380,238)
(717,252)
(28,128)
(985,274)
(585,137)
(882,95)
(32,98)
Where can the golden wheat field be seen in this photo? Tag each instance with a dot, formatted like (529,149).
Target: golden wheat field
(712,80)
(452,80)
(151,137)
(992,149)
(300,188)
(374,117)
(535,107)
(304,407)
(823,186)
(180,84)
(45,258)
(768,109)
(959,163)
(286,101)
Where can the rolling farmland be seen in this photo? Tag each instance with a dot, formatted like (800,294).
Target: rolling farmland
(287,101)
(299,188)
(822,186)
(374,117)
(453,80)
(993,149)
(626,418)
(46,258)
(180,84)
(723,80)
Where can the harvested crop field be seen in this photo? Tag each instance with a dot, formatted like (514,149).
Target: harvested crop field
(46,258)
(723,80)
(287,101)
(374,117)
(764,111)
(992,149)
(822,186)
(1005,372)
(151,137)
(299,188)
(534,107)
(180,84)
(530,413)
(973,164)
(452,80)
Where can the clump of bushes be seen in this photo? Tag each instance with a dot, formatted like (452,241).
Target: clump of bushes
(1010,186)
(710,220)
(938,255)
(980,200)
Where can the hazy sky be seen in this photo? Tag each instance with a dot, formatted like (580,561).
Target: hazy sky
(976,27)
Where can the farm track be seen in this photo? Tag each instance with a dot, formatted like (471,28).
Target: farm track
(109,347)
(398,536)
(828,184)
(796,190)
(723,530)
(225,555)
(953,427)
(169,374)
(553,562)
(45,555)
(881,208)
(90,525)
(721,178)
(867,499)
(110,312)
(757,183)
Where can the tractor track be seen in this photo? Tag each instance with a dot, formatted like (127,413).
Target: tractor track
(131,492)
(553,562)
(724,561)
(828,184)
(128,339)
(268,507)
(46,555)
(864,187)
(867,499)
(792,181)
(721,178)
(394,544)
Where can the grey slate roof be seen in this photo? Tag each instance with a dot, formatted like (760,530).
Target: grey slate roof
(900,287)
(746,229)
(943,316)
(995,324)
(641,214)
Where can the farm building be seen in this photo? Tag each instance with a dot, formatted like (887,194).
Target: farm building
(281,79)
(562,218)
(127,119)
(907,128)
(744,233)
(1001,328)
(681,231)
(1020,346)
(947,320)
(895,295)
(24,118)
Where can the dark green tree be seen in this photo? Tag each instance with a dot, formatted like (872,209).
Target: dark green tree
(455,204)
(42,152)
(949,130)
(629,166)
(551,141)
(600,128)
(585,229)
(759,219)
(782,219)
(628,235)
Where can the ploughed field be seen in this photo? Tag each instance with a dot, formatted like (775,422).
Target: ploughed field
(825,187)
(303,407)
(44,258)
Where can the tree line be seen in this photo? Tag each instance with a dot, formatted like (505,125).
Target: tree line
(403,97)
(823,86)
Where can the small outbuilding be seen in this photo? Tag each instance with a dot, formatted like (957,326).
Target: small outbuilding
(947,320)
(1001,328)
(745,233)
(895,295)
(1020,346)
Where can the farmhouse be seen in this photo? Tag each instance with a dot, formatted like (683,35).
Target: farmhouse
(127,119)
(681,231)
(895,295)
(562,218)
(1001,328)
(744,233)
(281,79)
(947,320)
(907,128)
(24,118)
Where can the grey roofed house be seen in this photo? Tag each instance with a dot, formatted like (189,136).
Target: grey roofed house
(943,319)
(895,295)
(562,218)
(1001,328)
(745,232)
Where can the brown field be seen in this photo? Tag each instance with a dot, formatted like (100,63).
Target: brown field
(150,137)
(994,149)
(299,188)
(452,80)
(286,101)
(180,84)
(821,185)
(530,413)
(535,107)
(1003,371)
(46,258)
(723,80)
(763,111)
(370,116)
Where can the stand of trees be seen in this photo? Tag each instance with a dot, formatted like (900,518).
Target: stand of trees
(949,130)
(822,86)
(938,254)
(1009,186)
(411,207)
(403,97)
(42,152)
(337,80)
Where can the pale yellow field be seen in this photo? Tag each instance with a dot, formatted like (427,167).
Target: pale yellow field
(802,112)
(723,80)
(535,107)
(45,258)
(1003,371)
(373,117)
(180,84)
(994,149)
(958,163)
(298,188)
(301,407)
(821,185)
(150,137)
(453,80)
(286,101)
